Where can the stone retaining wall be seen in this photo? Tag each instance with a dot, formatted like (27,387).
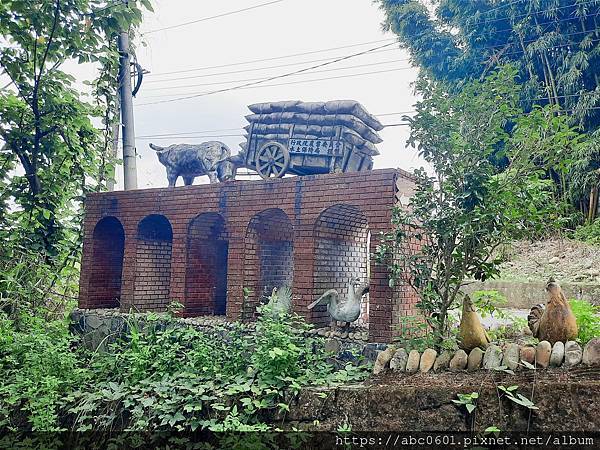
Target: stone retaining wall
(523,295)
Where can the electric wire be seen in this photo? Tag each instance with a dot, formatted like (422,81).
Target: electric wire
(274,58)
(204,19)
(273,77)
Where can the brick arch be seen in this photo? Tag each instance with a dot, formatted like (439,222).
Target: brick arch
(153,263)
(107,263)
(341,251)
(206,268)
(268,256)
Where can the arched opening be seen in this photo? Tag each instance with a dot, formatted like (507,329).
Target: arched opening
(206,270)
(341,253)
(153,264)
(268,257)
(107,264)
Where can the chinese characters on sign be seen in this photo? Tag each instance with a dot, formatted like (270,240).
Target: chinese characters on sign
(316,147)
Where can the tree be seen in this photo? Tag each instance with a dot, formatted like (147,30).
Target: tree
(459,216)
(554,44)
(52,153)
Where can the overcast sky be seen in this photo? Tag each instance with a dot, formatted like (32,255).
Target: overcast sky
(203,56)
(279,29)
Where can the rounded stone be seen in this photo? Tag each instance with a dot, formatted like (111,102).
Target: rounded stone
(442,362)
(458,361)
(474,360)
(557,355)
(93,321)
(332,346)
(542,354)
(511,356)
(398,362)
(412,364)
(492,359)
(527,354)
(591,353)
(427,360)
(383,359)
(573,354)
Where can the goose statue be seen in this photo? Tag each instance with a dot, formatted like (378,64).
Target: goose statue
(344,310)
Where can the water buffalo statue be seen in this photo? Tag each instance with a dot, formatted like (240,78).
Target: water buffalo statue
(190,161)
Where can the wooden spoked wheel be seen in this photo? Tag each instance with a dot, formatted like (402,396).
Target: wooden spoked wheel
(272,160)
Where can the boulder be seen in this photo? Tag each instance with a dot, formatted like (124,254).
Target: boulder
(558,354)
(492,358)
(398,362)
(474,360)
(573,354)
(527,354)
(591,353)
(458,361)
(412,364)
(542,354)
(511,356)
(427,360)
(442,362)
(383,360)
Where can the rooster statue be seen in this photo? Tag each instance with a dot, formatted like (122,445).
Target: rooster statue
(344,310)
(471,334)
(555,321)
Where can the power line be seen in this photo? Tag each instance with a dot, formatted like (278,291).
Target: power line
(256,69)
(293,55)
(254,79)
(254,85)
(274,77)
(204,19)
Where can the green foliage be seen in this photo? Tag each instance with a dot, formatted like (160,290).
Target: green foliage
(553,45)
(468,401)
(554,48)
(511,394)
(415,334)
(38,368)
(589,233)
(162,375)
(51,152)
(462,213)
(588,320)
(488,303)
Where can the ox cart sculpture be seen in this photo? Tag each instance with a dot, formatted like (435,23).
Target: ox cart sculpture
(309,138)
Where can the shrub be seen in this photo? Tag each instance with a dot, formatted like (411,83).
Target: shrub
(589,233)
(588,320)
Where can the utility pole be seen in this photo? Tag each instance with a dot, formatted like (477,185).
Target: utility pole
(126,100)
(110,179)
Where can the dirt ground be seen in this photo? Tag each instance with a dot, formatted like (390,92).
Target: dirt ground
(564,259)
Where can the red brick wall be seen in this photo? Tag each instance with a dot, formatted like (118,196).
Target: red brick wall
(206,268)
(105,275)
(273,235)
(153,264)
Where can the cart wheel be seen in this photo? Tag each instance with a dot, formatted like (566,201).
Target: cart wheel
(272,160)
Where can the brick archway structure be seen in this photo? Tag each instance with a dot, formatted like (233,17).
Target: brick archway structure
(341,252)
(153,263)
(276,232)
(107,268)
(268,257)
(206,266)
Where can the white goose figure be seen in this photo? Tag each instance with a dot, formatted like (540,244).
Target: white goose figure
(344,310)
